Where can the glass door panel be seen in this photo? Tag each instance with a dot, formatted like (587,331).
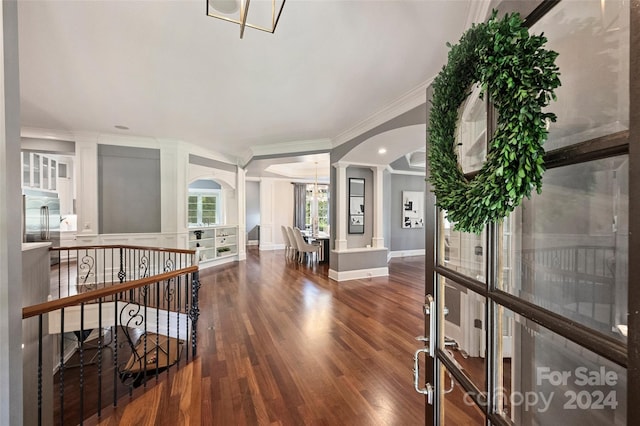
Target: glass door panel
(26,169)
(458,407)
(471,135)
(569,245)
(35,181)
(547,377)
(45,173)
(54,175)
(463,252)
(464,334)
(592,41)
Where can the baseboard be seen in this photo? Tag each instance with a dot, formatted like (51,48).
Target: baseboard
(220,261)
(271,246)
(253,242)
(358,274)
(405,253)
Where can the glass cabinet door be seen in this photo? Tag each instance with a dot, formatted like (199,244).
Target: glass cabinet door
(35,177)
(45,173)
(54,175)
(26,169)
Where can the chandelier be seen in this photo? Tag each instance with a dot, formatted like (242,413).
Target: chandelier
(264,14)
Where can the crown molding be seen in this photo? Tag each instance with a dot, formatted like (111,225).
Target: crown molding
(38,133)
(406,172)
(356,164)
(293,147)
(478,11)
(214,155)
(408,101)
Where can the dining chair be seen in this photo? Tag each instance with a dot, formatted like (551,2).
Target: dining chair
(293,242)
(287,243)
(304,247)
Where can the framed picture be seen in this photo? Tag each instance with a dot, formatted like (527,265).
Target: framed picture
(412,209)
(356,206)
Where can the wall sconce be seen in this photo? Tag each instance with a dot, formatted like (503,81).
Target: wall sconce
(265,14)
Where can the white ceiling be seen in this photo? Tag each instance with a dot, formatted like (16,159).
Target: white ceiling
(166,70)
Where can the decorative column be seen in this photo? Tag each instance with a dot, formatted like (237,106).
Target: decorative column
(341,206)
(86,177)
(377,241)
(241,197)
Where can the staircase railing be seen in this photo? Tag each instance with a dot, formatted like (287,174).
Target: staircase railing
(122,316)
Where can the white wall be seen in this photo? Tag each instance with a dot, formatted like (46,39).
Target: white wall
(176,173)
(276,209)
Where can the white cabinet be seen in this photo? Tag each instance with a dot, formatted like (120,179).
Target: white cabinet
(203,240)
(226,241)
(214,242)
(39,171)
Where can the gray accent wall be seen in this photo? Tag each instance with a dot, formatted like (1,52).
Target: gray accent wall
(129,195)
(404,238)
(252,190)
(359,260)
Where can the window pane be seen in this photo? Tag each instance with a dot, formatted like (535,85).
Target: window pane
(567,250)
(592,39)
(547,378)
(209,204)
(193,209)
(471,136)
(322,206)
(463,252)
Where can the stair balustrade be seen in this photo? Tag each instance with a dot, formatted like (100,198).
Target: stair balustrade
(118,318)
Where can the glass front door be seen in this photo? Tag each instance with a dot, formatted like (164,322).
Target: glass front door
(529,319)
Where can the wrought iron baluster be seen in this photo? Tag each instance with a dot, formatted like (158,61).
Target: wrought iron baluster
(39,369)
(100,347)
(81,338)
(121,273)
(61,367)
(194,312)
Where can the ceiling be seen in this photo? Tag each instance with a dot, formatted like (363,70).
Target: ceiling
(163,69)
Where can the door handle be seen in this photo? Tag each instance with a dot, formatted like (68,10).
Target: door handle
(43,223)
(428,388)
(430,309)
(46,217)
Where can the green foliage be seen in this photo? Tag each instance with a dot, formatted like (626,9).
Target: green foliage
(520,77)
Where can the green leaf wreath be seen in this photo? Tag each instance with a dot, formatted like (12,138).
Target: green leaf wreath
(519,76)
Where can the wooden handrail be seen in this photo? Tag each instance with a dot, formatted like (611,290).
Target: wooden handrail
(172,250)
(43,308)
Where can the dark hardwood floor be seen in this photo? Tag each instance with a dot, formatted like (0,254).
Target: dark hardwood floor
(279,343)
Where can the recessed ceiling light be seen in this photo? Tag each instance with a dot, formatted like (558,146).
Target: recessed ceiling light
(121,127)
(382,151)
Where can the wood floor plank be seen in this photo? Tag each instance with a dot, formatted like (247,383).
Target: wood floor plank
(281,344)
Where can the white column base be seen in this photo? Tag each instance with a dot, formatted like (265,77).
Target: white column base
(377,242)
